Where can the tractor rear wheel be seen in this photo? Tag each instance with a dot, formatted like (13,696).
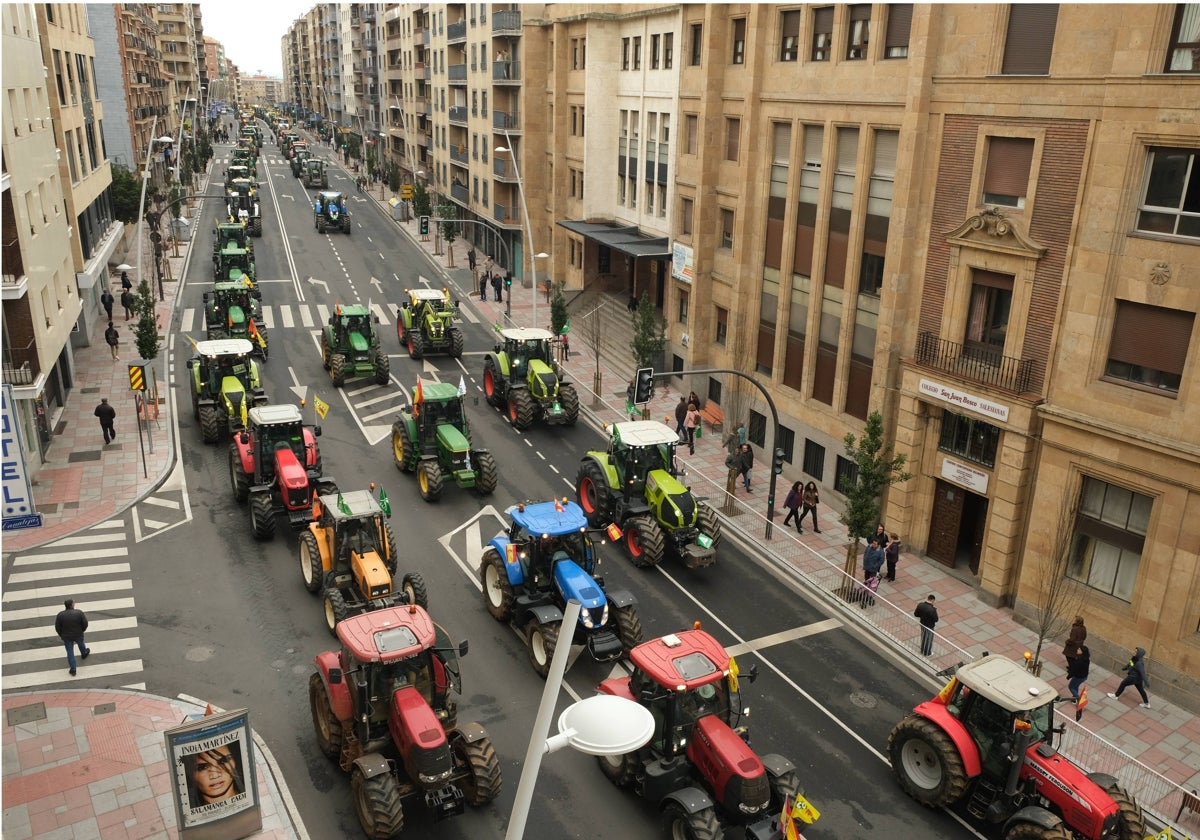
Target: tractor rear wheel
(383,367)
(520,408)
(568,397)
(926,762)
(708,523)
(311,567)
(493,390)
(325,351)
(326,725)
(644,541)
(210,423)
(336,609)
(592,489)
(402,446)
(413,587)
(238,476)
(540,640)
(262,517)
(389,554)
(429,480)
(1036,831)
(488,474)
(320,225)
(620,769)
(337,369)
(498,594)
(482,783)
(700,825)
(416,344)
(456,343)
(1131,824)
(377,801)
(629,627)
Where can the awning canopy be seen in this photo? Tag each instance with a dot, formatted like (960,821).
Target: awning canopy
(624,238)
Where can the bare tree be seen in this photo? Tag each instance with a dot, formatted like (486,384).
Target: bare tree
(1058,597)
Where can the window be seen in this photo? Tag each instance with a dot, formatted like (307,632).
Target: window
(756,429)
(870,275)
(603,259)
(845,475)
(726,228)
(668,50)
(787,442)
(1030,39)
(683,307)
(697,43)
(624,53)
(722,330)
(1149,346)
(654,48)
(1171,198)
(860,25)
(899,23)
(1110,532)
(739,42)
(1183,56)
(733,130)
(637,53)
(987,318)
(686,207)
(1006,178)
(969,438)
(814,459)
(789,34)
(691,131)
(822,33)
(714,390)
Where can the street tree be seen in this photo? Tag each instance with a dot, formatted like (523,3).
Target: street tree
(1058,596)
(146,331)
(649,338)
(125,191)
(558,310)
(422,205)
(449,229)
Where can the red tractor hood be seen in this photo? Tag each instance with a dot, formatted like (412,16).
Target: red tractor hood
(1084,804)
(713,741)
(292,476)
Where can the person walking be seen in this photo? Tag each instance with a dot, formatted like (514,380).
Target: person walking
(633,303)
(740,431)
(566,346)
(107,415)
(1077,670)
(691,419)
(1135,675)
(680,413)
(107,300)
(811,498)
(483,286)
(113,339)
(471,260)
(795,498)
(745,464)
(927,614)
(1076,637)
(70,625)
(873,559)
(891,554)
(126,283)
(127,302)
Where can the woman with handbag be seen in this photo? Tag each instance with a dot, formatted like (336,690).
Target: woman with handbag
(811,499)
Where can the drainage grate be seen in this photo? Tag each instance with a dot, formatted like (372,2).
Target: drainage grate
(26,714)
(76,457)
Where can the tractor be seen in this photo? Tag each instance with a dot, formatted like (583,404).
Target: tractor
(274,463)
(546,558)
(330,212)
(233,265)
(236,172)
(635,484)
(232,310)
(241,204)
(988,739)
(521,377)
(698,767)
(286,140)
(350,346)
(225,386)
(383,707)
(300,156)
(350,552)
(227,233)
(425,323)
(433,439)
(315,174)
(245,158)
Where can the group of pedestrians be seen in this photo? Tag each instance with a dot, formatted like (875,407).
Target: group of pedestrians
(801,502)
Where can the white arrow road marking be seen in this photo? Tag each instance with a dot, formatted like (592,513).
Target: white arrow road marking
(301,391)
(475,545)
(378,286)
(424,281)
(315,282)
(429,370)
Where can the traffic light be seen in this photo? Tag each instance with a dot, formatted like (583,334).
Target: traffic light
(643,386)
(423,226)
(508,279)
(778,464)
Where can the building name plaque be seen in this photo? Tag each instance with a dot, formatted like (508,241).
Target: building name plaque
(968,477)
(979,405)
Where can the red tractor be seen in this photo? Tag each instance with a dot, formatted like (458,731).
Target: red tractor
(275,464)
(382,708)
(988,738)
(698,766)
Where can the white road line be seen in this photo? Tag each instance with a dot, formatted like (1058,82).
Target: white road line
(100,625)
(305,316)
(784,636)
(106,525)
(364,389)
(390,395)
(323,313)
(469,314)
(69,573)
(58,675)
(268,317)
(389,410)
(167,503)
(185,323)
(65,556)
(51,610)
(86,539)
(51,652)
(285,315)
(59,592)
(382,313)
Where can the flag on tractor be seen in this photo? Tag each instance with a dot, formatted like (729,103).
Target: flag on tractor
(946,693)
(558,507)
(462,387)
(384,504)
(341,504)
(418,398)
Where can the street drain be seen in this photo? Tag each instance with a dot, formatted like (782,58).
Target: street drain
(863,700)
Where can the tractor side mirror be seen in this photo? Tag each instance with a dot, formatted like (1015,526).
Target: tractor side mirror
(457,304)
(191,363)
(496,348)
(335,676)
(206,297)
(244,437)
(316,431)
(751,673)
(463,647)
(256,294)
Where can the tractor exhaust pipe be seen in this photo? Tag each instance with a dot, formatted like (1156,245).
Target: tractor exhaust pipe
(1024,737)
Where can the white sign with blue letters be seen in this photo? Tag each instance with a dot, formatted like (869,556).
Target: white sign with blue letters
(18,496)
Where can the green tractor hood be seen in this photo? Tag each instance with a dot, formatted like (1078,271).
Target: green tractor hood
(234,393)
(451,439)
(359,343)
(237,316)
(675,503)
(543,381)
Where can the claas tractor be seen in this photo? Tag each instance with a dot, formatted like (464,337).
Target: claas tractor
(274,463)
(521,377)
(233,265)
(544,559)
(225,385)
(987,739)
(635,483)
(350,346)
(349,553)
(330,212)
(433,439)
(425,323)
(315,174)
(241,204)
(698,766)
(384,708)
(236,172)
(226,233)
(232,310)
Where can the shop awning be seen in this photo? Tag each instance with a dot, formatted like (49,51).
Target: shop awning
(627,239)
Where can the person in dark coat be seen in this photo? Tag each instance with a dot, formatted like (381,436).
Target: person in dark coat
(1077,669)
(873,559)
(812,498)
(113,339)
(795,498)
(483,284)
(497,288)
(70,625)
(127,302)
(471,260)
(1135,675)
(1075,638)
(892,555)
(680,413)
(745,462)
(927,614)
(107,300)
(107,415)
(126,283)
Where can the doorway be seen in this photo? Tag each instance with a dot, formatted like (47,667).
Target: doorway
(957,527)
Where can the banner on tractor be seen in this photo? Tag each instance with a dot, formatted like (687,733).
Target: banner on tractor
(321,406)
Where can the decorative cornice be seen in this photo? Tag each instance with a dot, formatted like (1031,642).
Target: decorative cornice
(992,230)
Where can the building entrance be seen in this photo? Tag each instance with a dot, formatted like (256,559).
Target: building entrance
(957,526)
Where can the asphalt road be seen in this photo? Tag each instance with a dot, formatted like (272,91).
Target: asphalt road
(227,619)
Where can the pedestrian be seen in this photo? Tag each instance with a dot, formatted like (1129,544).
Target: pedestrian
(1075,638)
(695,400)
(497,288)
(633,303)
(811,499)
(740,431)
(873,559)
(1077,670)
(795,498)
(127,302)
(500,61)
(107,300)
(471,260)
(113,339)
(107,415)
(483,286)
(1135,675)
(892,555)
(566,345)
(745,463)
(927,614)
(70,625)
(881,535)
(690,420)
(680,414)
(126,283)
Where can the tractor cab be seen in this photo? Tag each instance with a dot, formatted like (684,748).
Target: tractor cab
(276,429)
(354,520)
(640,447)
(234,173)
(234,265)
(545,534)
(525,345)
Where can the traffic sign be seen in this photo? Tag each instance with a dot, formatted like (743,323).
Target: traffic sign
(137,378)
(406,191)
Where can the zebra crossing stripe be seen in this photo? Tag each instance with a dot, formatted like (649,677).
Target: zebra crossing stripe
(367,418)
(51,610)
(88,671)
(99,625)
(285,315)
(60,592)
(305,317)
(268,317)
(380,313)
(41,654)
(389,396)
(185,322)
(67,556)
(86,539)
(69,573)
(323,313)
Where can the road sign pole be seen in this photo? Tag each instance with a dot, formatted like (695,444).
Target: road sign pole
(137,404)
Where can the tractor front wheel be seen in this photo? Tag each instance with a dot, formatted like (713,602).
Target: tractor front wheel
(488,474)
(785,786)
(416,344)
(262,517)
(402,447)
(456,343)
(629,627)
(483,780)
(337,369)
(336,609)
(429,480)
(708,523)
(1037,831)
(413,587)
(541,639)
(389,553)
(210,424)
(592,489)
(520,408)
(492,389)
(1131,824)
(620,769)
(700,825)
(311,567)
(568,398)
(383,367)
(926,762)
(644,541)
(377,801)
(498,594)
(326,725)
(238,477)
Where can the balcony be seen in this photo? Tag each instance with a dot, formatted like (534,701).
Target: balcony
(505,215)
(456,32)
(506,23)
(503,170)
(21,366)
(456,74)
(506,71)
(506,120)
(460,193)
(975,364)
(458,154)
(458,114)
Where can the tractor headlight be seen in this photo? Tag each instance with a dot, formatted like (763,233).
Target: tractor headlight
(588,617)
(429,779)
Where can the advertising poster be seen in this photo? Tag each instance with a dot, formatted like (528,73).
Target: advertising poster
(215,789)
(682,266)
(18,495)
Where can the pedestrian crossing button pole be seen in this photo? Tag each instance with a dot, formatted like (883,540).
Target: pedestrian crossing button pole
(137,384)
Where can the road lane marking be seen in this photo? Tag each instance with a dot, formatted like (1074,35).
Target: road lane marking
(38,679)
(101,625)
(64,556)
(51,610)
(784,636)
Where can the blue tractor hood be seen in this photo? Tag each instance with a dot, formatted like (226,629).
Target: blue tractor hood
(574,582)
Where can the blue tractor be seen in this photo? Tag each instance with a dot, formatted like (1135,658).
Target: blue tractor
(544,559)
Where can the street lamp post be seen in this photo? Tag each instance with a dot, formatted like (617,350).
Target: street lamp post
(512,156)
(142,202)
(179,139)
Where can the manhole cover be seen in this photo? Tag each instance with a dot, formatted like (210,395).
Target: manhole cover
(26,714)
(76,457)
(864,700)
(104,708)
(199,654)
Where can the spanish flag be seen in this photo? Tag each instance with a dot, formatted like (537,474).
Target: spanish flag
(418,395)
(558,506)
(946,693)
(1081,703)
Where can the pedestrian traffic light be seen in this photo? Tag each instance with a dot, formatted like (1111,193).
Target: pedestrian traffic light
(508,279)
(778,464)
(423,226)
(643,386)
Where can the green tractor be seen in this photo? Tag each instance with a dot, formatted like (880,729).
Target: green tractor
(425,323)
(299,159)
(314,174)
(232,310)
(241,202)
(433,439)
(245,158)
(350,346)
(225,386)
(234,265)
(521,376)
(636,485)
(231,233)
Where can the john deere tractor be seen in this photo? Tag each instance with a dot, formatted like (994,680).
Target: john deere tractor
(227,233)
(245,158)
(315,174)
(635,484)
(350,346)
(521,377)
(295,150)
(330,212)
(232,310)
(241,204)
(433,439)
(425,323)
(233,265)
(225,386)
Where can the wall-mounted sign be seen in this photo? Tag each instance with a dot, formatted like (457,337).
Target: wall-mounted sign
(971,402)
(18,496)
(961,474)
(682,265)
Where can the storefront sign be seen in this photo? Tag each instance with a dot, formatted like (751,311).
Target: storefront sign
(216,785)
(961,474)
(979,405)
(18,495)
(682,267)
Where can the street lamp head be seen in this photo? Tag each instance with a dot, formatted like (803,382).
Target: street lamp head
(501,150)
(164,139)
(543,255)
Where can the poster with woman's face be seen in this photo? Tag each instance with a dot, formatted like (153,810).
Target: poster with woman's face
(214,775)
(213,768)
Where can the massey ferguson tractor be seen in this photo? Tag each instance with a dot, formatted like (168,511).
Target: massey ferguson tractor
(274,463)
(425,324)
(351,347)
(636,485)
(433,439)
(698,766)
(545,559)
(384,708)
(225,386)
(521,377)
(988,738)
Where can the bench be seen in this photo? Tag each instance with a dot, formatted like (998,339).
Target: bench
(1191,803)
(713,414)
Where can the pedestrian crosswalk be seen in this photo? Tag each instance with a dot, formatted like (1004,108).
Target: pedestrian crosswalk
(304,315)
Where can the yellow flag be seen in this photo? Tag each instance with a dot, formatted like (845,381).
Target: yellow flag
(321,406)
(803,810)
(733,674)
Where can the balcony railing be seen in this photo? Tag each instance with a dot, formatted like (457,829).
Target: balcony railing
(505,119)
(456,73)
(503,169)
(460,193)
(506,23)
(21,366)
(458,114)
(976,364)
(459,156)
(456,31)
(505,71)
(503,214)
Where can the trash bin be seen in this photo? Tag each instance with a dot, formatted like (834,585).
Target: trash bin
(399,209)
(181,229)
